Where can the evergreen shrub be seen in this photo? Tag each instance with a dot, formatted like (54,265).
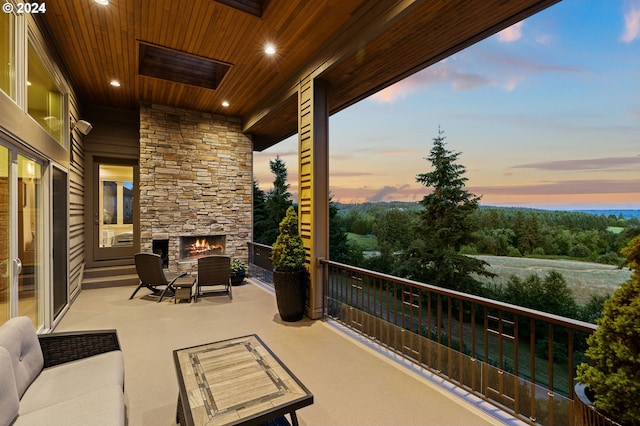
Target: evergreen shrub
(288,253)
(614,349)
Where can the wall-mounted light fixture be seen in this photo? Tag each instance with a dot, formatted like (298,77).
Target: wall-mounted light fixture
(83,126)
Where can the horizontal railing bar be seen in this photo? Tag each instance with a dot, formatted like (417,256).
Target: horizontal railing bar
(497,333)
(264,246)
(491,317)
(538,315)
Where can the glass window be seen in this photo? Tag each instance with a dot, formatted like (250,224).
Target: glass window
(7,54)
(116,205)
(45,100)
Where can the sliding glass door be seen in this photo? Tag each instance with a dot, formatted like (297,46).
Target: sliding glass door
(22,265)
(5,237)
(30,225)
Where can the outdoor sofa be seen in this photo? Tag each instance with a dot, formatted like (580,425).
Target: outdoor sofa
(60,378)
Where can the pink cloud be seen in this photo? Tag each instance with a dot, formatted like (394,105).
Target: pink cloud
(631,25)
(512,83)
(373,194)
(511,34)
(507,73)
(439,73)
(569,187)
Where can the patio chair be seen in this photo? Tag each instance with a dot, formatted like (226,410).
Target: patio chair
(152,276)
(214,271)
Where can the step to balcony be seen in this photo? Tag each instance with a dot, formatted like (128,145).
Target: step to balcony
(109,276)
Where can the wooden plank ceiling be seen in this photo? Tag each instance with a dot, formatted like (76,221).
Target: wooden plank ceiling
(357,46)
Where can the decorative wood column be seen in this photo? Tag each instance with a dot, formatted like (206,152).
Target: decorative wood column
(313,184)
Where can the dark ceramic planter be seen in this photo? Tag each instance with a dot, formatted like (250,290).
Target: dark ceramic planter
(238,278)
(291,294)
(585,412)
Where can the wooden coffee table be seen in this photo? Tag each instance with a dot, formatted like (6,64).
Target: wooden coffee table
(235,381)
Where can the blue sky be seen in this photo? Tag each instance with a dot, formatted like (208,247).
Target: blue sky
(546,114)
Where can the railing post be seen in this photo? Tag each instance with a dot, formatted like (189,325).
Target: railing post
(324,281)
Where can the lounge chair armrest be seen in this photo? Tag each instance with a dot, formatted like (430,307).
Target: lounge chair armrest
(58,348)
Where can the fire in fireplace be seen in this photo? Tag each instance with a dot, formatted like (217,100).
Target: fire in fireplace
(203,245)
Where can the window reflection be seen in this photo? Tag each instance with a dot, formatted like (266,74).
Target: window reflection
(109,203)
(30,239)
(45,100)
(7,55)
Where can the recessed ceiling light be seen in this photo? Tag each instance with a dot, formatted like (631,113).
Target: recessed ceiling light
(225,104)
(269,49)
(102,2)
(114,83)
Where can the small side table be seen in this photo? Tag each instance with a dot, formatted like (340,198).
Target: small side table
(184,288)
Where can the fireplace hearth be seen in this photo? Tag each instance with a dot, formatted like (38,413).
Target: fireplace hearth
(201,245)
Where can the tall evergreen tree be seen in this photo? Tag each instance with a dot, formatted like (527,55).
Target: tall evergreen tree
(338,244)
(278,200)
(259,213)
(445,225)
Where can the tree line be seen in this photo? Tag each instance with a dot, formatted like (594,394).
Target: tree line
(507,231)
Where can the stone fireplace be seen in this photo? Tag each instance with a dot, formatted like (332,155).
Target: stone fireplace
(195,183)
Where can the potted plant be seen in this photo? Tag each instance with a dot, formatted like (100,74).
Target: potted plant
(289,274)
(613,375)
(238,271)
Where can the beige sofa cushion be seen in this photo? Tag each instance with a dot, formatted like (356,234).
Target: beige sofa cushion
(66,381)
(101,407)
(8,392)
(19,338)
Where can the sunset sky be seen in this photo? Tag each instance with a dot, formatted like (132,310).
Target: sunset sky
(546,114)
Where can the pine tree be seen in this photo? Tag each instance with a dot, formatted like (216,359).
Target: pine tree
(278,201)
(338,244)
(445,225)
(259,213)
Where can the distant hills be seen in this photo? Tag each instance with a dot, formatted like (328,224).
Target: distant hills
(626,213)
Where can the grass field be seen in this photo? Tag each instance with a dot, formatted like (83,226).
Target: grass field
(367,242)
(585,279)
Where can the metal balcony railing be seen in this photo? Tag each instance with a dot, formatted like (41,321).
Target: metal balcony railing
(521,360)
(260,265)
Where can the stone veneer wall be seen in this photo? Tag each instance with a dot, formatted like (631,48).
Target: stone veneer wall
(195,179)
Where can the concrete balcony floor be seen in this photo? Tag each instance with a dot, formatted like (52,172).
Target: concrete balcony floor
(353,382)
